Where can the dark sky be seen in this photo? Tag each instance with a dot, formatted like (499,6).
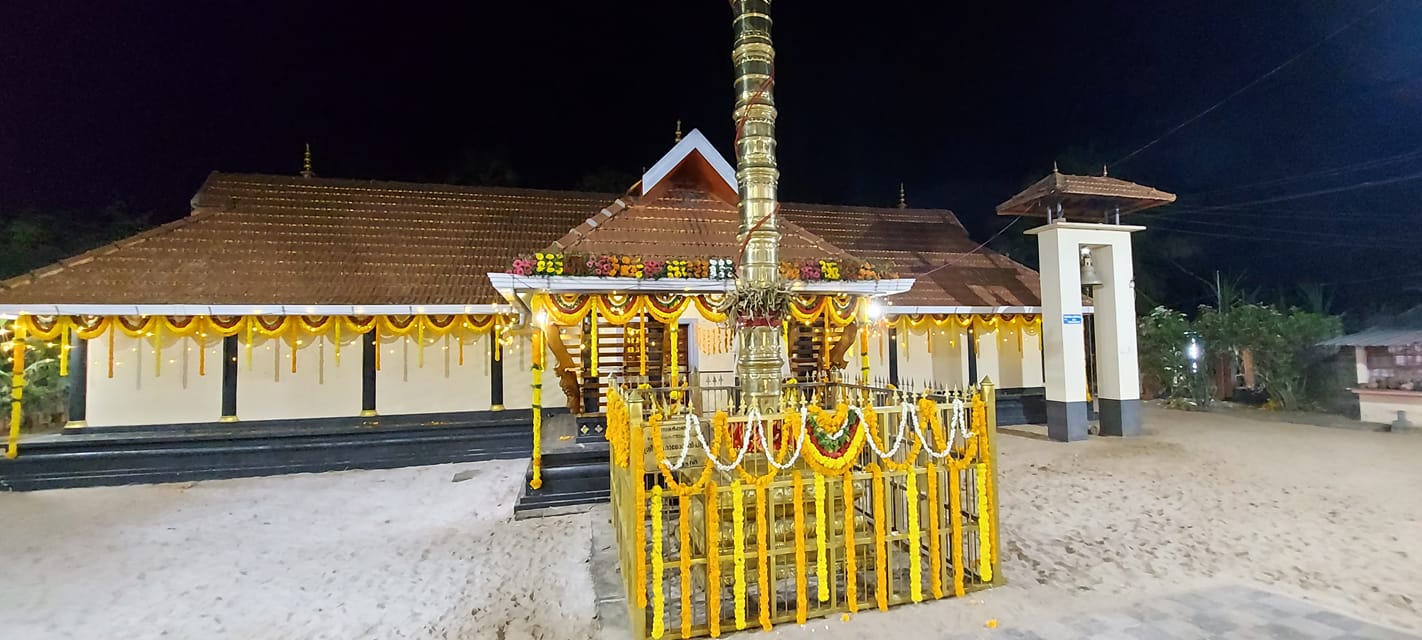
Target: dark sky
(965,102)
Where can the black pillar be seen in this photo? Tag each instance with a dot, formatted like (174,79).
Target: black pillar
(894,356)
(972,356)
(367,379)
(229,379)
(496,376)
(78,382)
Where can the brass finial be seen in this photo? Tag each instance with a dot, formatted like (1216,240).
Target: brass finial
(678,131)
(306,171)
(1103,171)
(1054,167)
(902,203)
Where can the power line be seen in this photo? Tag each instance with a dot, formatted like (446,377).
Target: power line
(1256,238)
(1335,171)
(1304,233)
(949,262)
(1251,84)
(1287,214)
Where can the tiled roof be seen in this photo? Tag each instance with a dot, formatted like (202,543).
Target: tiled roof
(262,240)
(918,242)
(681,220)
(1087,194)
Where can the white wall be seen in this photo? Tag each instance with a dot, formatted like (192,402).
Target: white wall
(518,379)
(998,356)
(268,390)
(402,386)
(950,357)
(1382,406)
(137,394)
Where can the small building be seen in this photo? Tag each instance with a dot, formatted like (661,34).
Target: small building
(1388,366)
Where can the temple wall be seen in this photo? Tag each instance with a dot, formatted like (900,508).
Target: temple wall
(268,390)
(950,358)
(518,379)
(139,394)
(403,386)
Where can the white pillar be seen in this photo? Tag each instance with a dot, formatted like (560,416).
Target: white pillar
(1063,330)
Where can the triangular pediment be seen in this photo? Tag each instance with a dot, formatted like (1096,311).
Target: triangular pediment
(693,158)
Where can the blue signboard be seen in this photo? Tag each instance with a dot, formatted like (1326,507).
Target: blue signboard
(1071,318)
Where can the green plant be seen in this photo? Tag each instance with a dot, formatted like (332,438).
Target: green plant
(1283,343)
(45,391)
(1160,343)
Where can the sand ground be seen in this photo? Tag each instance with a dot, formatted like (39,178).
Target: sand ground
(1329,515)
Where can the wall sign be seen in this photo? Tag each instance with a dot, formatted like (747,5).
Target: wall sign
(1071,318)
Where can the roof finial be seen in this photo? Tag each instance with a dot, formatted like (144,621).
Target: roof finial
(1054,167)
(902,203)
(678,130)
(306,171)
(1104,173)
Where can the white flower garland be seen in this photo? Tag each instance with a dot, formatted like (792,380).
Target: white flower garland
(905,410)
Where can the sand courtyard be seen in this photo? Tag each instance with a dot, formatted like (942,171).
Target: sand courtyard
(1331,517)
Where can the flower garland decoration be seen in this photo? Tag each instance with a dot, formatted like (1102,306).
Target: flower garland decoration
(618,424)
(798,498)
(915,567)
(684,552)
(637,456)
(955,520)
(547,263)
(851,589)
(762,532)
(984,531)
(821,540)
(713,561)
(738,542)
(935,544)
(659,624)
(881,549)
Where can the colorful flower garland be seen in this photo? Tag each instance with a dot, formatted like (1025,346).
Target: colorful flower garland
(738,545)
(851,588)
(625,266)
(659,605)
(821,541)
(881,548)
(684,551)
(762,548)
(915,567)
(713,561)
(797,497)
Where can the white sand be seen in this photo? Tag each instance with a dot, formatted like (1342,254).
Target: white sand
(1331,516)
(366,554)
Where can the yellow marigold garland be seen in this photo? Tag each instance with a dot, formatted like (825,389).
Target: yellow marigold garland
(537,401)
(684,529)
(984,531)
(821,540)
(618,425)
(738,543)
(851,589)
(713,561)
(639,533)
(798,497)
(659,605)
(881,549)
(762,530)
(955,519)
(915,566)
(935,542)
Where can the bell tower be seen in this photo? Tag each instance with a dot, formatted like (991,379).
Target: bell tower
(1085,255)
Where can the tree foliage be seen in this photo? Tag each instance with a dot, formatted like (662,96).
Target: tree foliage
(30,238)
(1160,343)
(45,391)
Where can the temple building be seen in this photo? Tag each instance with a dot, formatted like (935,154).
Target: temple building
(283,299)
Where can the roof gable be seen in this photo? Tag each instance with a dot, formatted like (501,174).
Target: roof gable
(693,152)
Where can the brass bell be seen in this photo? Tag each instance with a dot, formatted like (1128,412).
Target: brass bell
(1088,271)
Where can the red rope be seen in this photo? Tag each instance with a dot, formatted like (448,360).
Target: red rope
(765,85)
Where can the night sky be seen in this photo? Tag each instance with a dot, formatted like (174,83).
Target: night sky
(964,102)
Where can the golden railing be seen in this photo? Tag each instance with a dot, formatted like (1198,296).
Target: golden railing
(919,499)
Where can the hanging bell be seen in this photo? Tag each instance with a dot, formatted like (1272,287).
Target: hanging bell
(1088,271)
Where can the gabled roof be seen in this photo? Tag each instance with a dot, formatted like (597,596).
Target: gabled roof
(1089,195)
(264,240)
(694,144)
(916,242)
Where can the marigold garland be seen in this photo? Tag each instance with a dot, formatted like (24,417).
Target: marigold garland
(984,530)
(851,589)
(821,540)
(762,531)
(639,490)
(713,561)
(537,401)
(738,542)
(684,551)
(915,566)
(881,549)
(618,425)
(955,519)
(798,498)
(935,542)
(659,624)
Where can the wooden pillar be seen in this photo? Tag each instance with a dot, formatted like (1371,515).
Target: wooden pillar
(367,378)
(894,356)
(229,379)
(78,383)
(496,376)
